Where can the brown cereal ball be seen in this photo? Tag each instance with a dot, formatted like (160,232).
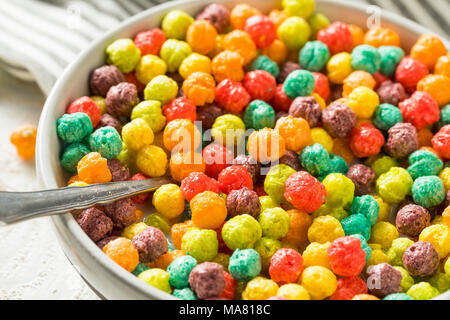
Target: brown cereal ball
(253,167)
(363,177)
(207,115)
(243,201)
(402,141)
(121,99)
(122,212)
(151,244)
(95,224)
(105,241)
(216,14)
(286,69)
(412,219)
(103,78)
(207,280)
(338,119)
(307,108)
(391,92)
(118,171)
(108,120)
(383,279)
(292,160)
(421,259)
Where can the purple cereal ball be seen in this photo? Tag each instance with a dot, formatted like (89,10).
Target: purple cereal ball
(95,224)
(108,120)
(363,177)
(391,92)
(118,171)
(402,140)
(338,119)
(249,163)
(216,14)
(307,108)
(105,241)
(103,78)
(412,219)
(151,244)
(122,212)
(291,159)
(207,280)
(286,69)
(207,115)
(383,280)
(243,201)
(121,99)
(421,259)
(277,298)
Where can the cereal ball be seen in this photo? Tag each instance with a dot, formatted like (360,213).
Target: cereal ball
(176,23)
(151,112)
(325,229)
(260,84)
(420,110)
(95,224)
(181,135)
(122,212)
(317,22)
(424,163)
(228,130)
(150,243)
(244,264)
(428,49)
(232,96)
(150,42)
(421,259)
(216,14)
(314,56)
(262,30)
(379,36)
(260,288)
(295,132)
(299,8)
(386,116)
(349,287)
(149,67)
(139,269)
(339,67)
(184,294)
(121,99)
(307,108)
(137,134)
(422,291)
(267,202)
(390,58)
(407,280)
(428,191)
(234,178)
(241,232)
(286,69)
(363,101)
(200,244)
(299,83)
(207,280)
(24,139)
(294,32)
(320,282)
(243,201)
(298,228)
(240,42)
(249,163)
(103,78)
(383,164)
(277,52)
(366,205)
(73,127)
(347,258)
(228,65)
(240,14)
(338,119)
(402,140)
(199,87)
(275,181)
(292,291)
(169,201)
(316,254)
(383,233)
(356,224)
(391,93)
(259,115)
(157,278)
(337,37)
(196,183)
(274,223)
(394,185)
(266,247)
(106,141)
(122,252)
(108,120)
(439,236)
(291,159)
(152,161)
(363,178)
(72,155)
(118,171)
(180,108)
(441,143)
(315,159)
(266,64)
(286,265)
(383,280)
(305,192)
(208,210)
(230,287)
(92,168)
(123,54)
(397,249)
(435,85)
(412,219)
(201,36)
(162,89)
(88,106)
(339,190)
(409,72)
(158,221)
(366,58)
(266,145)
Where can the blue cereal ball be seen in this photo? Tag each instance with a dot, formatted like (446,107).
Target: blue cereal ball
(445,116)
(139,269)
(244,265)
(266,64)
(366,58)
(184,294)
(367,206)
(424,163)
(299,83)
(390,58)
(74,127)
(316,160)
(428,191)
(259,115)
(386,116)
(314,56)
(72,155)
(397,296)
(179,271)
(364,245)
(338,164)
(106,141)
(356,224)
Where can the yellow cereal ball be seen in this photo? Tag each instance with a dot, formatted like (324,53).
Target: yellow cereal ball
(378,256)
(78,184)
(383,233)
(260,288)
(438,220)
(439,236)
(363,102)
(445,177)
(339,67)
(321,136)
(316,254)
(149,67)
(100,102)
(293,291)
(325,229)
(195,63)
(157,278)
(137,134)
(320,282)
(152,161)
(385,208)
(169,201)
(133,230)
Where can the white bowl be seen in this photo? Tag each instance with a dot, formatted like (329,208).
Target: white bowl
(103,275)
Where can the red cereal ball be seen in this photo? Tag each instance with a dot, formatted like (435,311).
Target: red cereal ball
(262,30)
(88,106)
(259,189)
(197,182)
(142,198)
(180,108)
(441,142)
(347,258)
(421,110)
(230,287)
(305,192)
(260,84)
(232,96)
(337,37)
(217,157)
(349,287)
(131,78)
(150,42)
(409,72)
(280,101)
(322,87)
(286,266)
(234,178)
(366,140)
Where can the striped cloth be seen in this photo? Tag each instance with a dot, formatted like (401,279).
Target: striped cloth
(40,38)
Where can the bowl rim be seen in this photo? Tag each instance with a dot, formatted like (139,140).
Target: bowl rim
(46,124)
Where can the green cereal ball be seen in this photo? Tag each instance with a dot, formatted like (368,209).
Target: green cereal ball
(72,155)
(158,221)
(267,202)
(325,210)
(299,83)
(228,129)
(294,32)
(397,296)
(428,191)
(364,245)
(176,23)
(157,278)
(397,249)
(445,116)
(74,127)
(266,247)
(447,267)
(386,116)
(440,281)
(422,291)
(314,56)
(424,163)
(356,224)
(179,271)
(394,185)
(390,58)
(274,223)
(123,54)
(367,206)
(173,52)
(315,159)
(275,182)
(244,264)
(106,141)
(317,22)
(241,232)
(338,164)
(299,8)
(184,294)
(128,158)
(139,269)
(340,190)
(407,281)
(265,63)
(223,259)
(259,115)
(151,112)
(383,165)
(366,58)
(162,89)
(150,66)
(202,244)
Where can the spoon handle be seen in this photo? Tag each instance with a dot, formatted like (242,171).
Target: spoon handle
(20,206)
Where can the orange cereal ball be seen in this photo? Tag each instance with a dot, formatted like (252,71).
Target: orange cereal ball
(182,134)
(228,65)
(443,65)
(182,164)
(166,259)
(277,17)
(122,252)
(92,168)
(178,230)
(365,297)
(357,35)
(295,132)
(341,148)
(277,51)
(208,210)
(438,86)
(380,36)
(240,42)
(266,145)
(201,36)
(446,216)
(200,88)
(428,49)
(298,229)
(24,139)
(240,14)
(358,79)
(425,136)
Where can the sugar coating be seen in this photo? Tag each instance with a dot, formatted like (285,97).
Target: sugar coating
(106,141)
(274,184)
(299,83)
(390,58)
(291,159)
(366,58)
(244,264)
(340,190)
(118,171)
(200,244)
(422,291)
(265,63)
(394,185)
(124,54)
(157,278)
(386,116)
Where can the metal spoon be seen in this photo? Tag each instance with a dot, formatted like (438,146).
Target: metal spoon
(21,206)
